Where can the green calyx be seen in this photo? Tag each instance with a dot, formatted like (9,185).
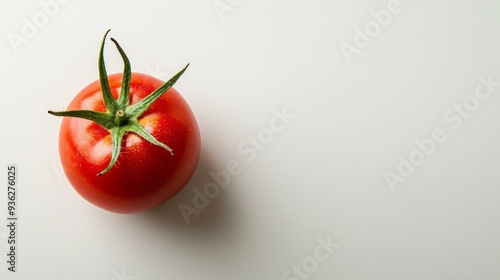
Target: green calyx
(121,117)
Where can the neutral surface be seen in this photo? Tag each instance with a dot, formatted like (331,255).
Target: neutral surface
(321,177)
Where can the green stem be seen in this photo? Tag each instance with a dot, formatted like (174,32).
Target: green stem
(121,117)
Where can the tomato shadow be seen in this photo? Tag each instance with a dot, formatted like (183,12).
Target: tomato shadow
(214,215)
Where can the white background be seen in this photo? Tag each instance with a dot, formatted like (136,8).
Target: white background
(321,177)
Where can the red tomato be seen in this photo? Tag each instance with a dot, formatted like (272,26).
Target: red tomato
(144,175)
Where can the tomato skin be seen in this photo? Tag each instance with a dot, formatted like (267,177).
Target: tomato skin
(145,175)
